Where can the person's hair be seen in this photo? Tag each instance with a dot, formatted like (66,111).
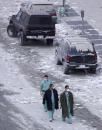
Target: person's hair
(66,86)
(51,85)
(46,76)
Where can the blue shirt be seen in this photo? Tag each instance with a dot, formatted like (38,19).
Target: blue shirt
(68,104)
(45,85)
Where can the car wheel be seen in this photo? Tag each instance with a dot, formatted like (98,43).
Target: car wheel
(58,62)
(49,41)
(11,31)
(22,39)
(67,70)
(93,71)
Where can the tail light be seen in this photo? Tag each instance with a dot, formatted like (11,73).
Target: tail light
(53,13)
(95,55)
(68,58)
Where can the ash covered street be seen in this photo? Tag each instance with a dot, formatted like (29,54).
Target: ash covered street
(22,68)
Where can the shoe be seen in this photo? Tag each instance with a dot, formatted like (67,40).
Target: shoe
(69,122)
(63,119)
(50,120)
(45,110)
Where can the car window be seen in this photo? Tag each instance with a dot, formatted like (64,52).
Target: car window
(46,20)
(81,47)
(26,18)
(18,15)
(40,20)
(23,16)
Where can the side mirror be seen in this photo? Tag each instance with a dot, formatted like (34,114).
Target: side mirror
(92,44)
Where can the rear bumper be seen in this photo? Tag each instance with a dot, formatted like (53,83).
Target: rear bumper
(82,66)
(40,33)
(40,37)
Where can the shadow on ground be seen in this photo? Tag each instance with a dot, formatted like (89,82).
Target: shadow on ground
(11,118)
(85,115)
(87,30)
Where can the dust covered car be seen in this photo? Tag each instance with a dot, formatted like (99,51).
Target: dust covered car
(34,20)
(76,54)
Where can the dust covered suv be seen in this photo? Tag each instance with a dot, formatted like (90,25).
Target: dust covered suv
(76,54)
(34,20)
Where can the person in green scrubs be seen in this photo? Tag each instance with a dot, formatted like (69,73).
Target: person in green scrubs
(67,102)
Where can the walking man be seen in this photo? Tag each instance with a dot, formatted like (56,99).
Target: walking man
(66,101)
(43,87)
(51,98)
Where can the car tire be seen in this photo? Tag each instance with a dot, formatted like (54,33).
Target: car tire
(93,71)
(22,39)
(11,31)
(49,41)
(67,70)
(58,62)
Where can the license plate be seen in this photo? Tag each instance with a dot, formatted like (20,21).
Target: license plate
(40,36)
(82,66)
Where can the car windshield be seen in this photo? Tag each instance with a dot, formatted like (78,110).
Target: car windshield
(81,48)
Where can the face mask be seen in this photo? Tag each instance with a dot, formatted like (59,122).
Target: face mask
(67,90)
(45,79)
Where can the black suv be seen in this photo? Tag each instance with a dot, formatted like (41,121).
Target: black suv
(33,21)
(76,55)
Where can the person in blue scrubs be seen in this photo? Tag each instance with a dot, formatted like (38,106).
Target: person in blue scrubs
(44,86)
